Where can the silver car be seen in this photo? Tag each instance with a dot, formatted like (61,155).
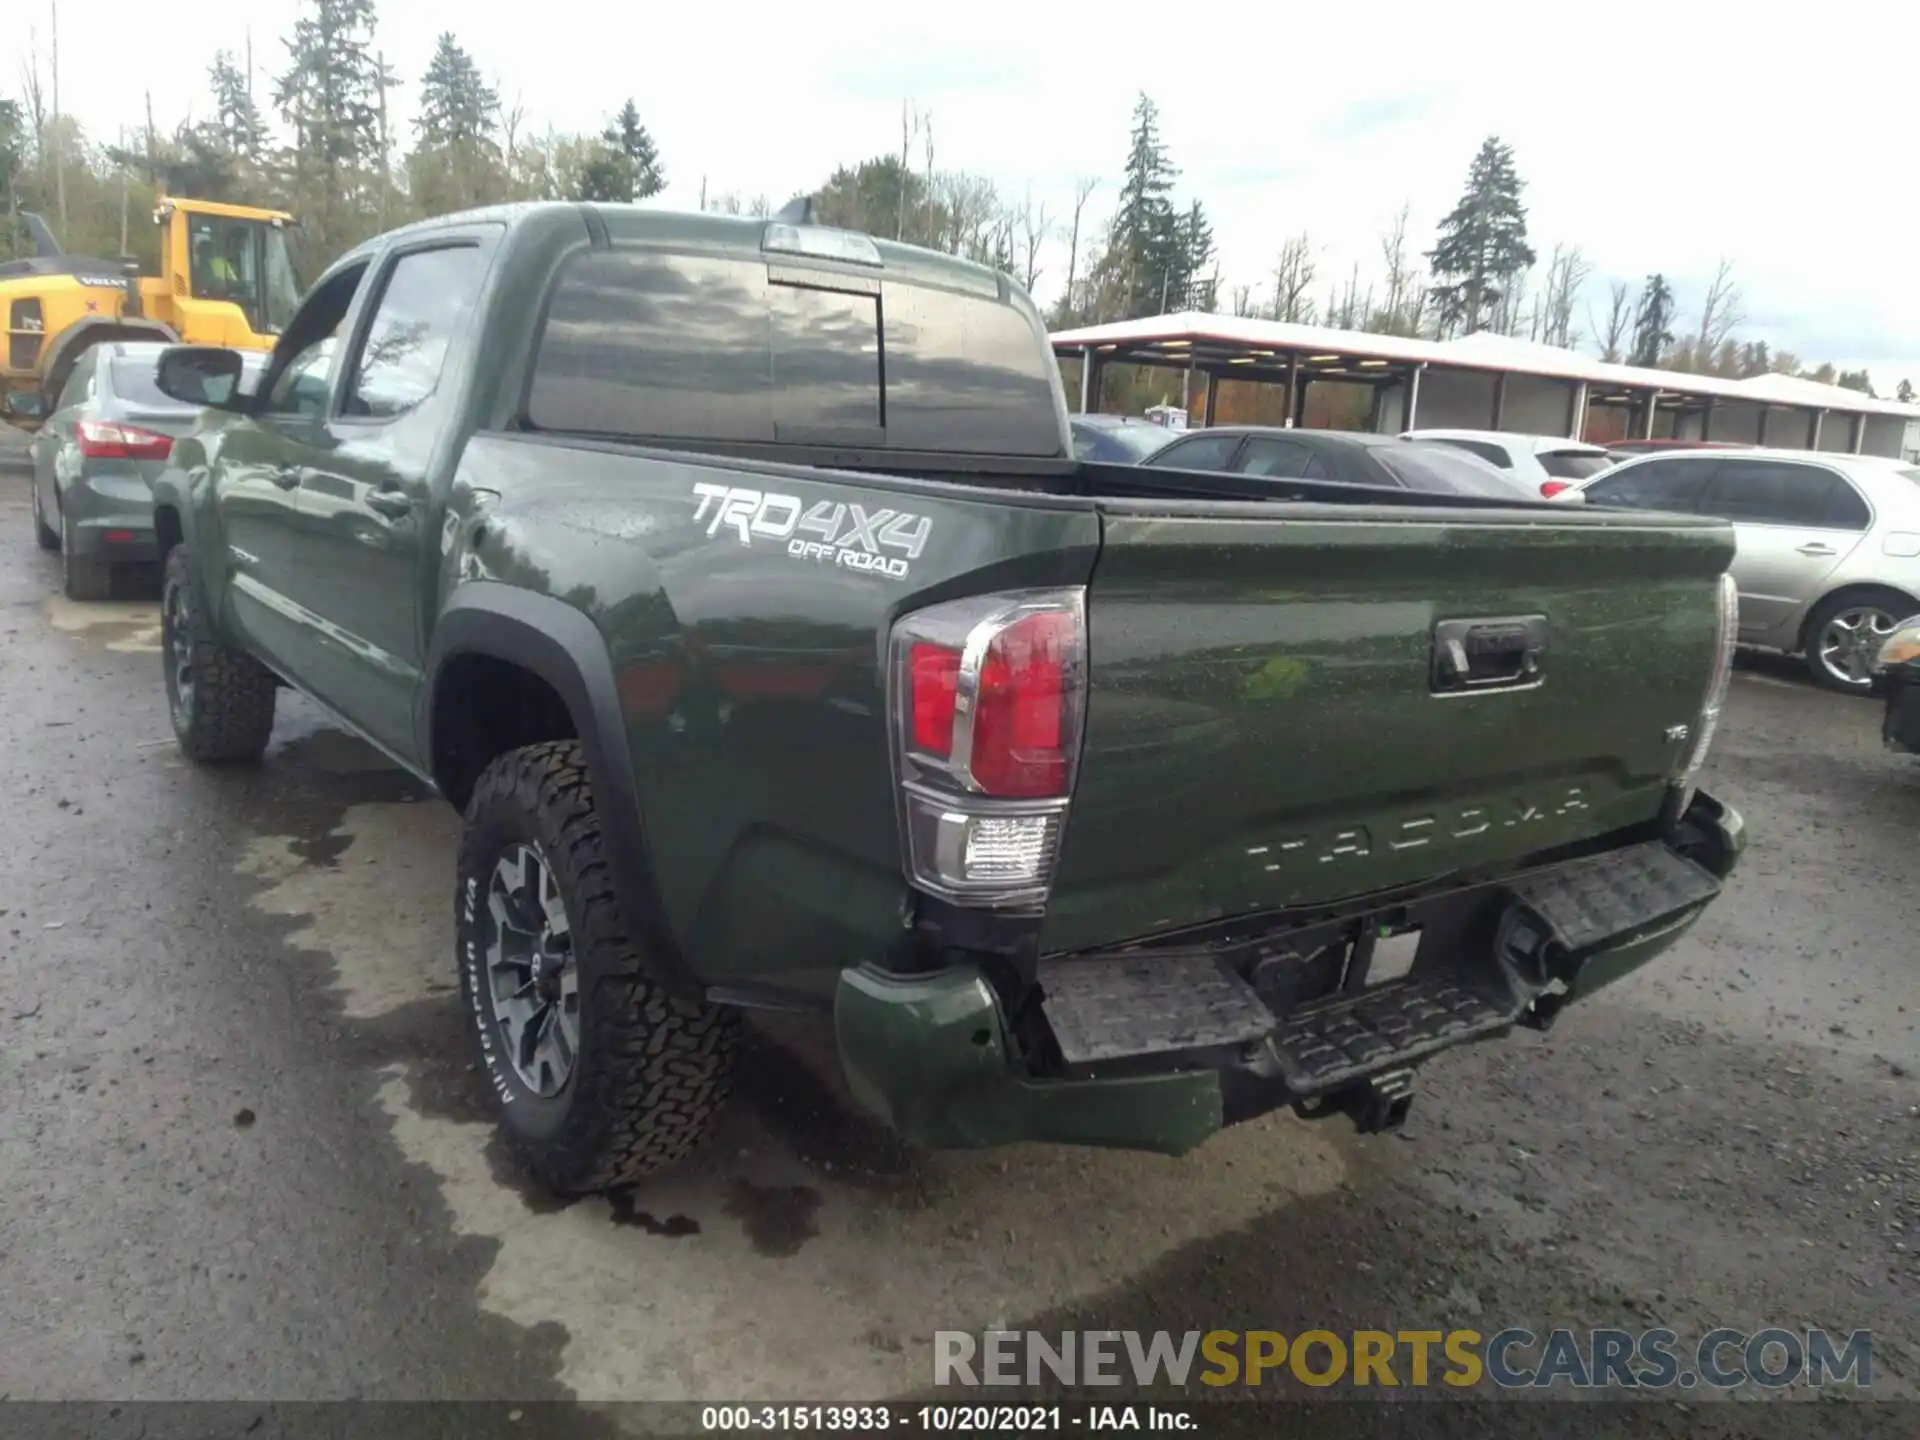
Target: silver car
(1829,545)
(108,436)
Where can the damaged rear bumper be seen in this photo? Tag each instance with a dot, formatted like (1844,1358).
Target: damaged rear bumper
(1157,1048)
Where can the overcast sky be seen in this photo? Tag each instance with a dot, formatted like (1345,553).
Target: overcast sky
(1655,138)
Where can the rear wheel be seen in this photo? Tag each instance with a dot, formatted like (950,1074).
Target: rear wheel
(604,1074)
(1845,633)
(45,534)
(82,577)
(220,700)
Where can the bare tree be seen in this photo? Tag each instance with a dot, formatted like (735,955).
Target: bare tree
(1720,312)
(1293,274)
(1034,230)
(926,132)
(1567,272)
(1509,310)
(1242,299)
(760,207)
(1619,322)
(909,127)
(1083,188)
(1391,319)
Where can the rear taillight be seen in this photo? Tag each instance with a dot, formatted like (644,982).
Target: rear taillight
(987,695)
(1715,699)
(1551,488)
(104,440)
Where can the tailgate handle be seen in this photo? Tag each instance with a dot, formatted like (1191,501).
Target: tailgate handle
(1496,653)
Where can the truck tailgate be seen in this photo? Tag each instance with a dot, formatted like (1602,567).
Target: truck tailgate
(1267,724)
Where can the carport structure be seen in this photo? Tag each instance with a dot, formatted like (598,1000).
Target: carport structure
(1485,381)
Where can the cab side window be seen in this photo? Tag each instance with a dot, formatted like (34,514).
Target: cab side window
(423,305)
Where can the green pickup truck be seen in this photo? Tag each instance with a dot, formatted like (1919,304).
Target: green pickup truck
(736,581)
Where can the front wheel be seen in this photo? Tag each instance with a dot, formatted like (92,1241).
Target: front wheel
(604,1074)
(220,700)
(1845,633)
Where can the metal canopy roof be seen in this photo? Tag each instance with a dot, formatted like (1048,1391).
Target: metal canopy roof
(1266,347)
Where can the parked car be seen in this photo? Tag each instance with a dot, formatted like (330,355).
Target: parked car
(1625,448)
(1829,545)
(1077,797)
(1545,464)
(1896,677)
(1346,457)
(94,460)
(1121,439)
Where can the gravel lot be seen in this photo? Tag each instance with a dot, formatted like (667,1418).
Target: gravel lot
(245,1155)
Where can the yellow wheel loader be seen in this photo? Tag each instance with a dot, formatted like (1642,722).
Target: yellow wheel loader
(226,278)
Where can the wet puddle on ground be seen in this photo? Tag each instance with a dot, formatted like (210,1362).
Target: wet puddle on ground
(131,626)
(803,1250)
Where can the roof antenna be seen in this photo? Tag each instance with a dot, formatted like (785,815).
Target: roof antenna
(797,211)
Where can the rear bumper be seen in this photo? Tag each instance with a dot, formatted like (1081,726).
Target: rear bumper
(115,539)
(1167,1047)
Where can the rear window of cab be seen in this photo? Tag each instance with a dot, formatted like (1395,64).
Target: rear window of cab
(641,344)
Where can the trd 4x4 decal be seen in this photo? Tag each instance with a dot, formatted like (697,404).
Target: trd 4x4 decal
(847,534)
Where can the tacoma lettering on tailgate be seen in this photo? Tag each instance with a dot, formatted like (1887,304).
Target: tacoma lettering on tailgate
(1358,842)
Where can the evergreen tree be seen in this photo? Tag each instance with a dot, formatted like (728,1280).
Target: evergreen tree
(1754,359)
(1904,392)
(331,98)
(457,161)
(457,107)
(236,117)
(1652,323)
(1146,243)
(1192,256)
(1482,243)
(627,167)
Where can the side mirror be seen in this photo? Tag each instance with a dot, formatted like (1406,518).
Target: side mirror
(206,375)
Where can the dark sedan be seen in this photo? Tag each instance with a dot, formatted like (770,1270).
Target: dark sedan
(1117,439)
(1347,457)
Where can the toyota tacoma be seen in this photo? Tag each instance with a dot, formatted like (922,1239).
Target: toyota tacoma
(736,581)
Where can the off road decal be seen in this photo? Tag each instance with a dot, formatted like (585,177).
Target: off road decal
(831,532)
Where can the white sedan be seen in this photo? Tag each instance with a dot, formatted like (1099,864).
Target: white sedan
(1548,464)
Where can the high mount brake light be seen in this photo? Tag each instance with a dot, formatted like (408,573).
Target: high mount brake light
(820,242)
(104,440)
(988,695)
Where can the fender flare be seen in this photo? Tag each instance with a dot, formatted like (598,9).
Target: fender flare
(83,333)
(564,648)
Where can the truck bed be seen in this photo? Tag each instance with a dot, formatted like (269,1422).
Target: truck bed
(1262,729)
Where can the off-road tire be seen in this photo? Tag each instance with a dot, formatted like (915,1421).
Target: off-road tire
(47,537)
(653,1066)
(228,712)
(81,578)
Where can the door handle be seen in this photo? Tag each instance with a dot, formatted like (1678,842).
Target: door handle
(390,503)
(287,477)
(1814,547)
